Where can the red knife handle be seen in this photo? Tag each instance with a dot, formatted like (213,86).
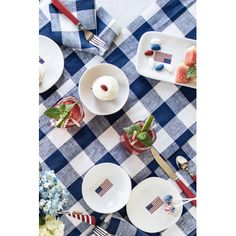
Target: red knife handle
(60,7)
(186,191)
(194,178)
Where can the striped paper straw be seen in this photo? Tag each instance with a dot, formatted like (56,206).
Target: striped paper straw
(77,215)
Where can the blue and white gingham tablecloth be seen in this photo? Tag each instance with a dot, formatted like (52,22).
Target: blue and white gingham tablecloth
(72,152)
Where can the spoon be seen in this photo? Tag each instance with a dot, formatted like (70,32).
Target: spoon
(182,163)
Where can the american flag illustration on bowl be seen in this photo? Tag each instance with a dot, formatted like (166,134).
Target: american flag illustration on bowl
(104,187)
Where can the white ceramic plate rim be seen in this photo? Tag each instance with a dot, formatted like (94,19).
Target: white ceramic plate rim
(125,94)
(59,69)
(142,185)
(140,53)
(105,166)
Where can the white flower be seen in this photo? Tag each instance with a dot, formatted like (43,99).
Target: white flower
(47,185)
(52,227)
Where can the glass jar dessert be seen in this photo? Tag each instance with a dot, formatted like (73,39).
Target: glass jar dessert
(140,136)
(66,112)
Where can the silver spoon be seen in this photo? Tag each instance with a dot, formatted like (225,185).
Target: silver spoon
(182,163)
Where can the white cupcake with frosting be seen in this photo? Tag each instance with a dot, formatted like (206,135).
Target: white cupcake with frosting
(105,88)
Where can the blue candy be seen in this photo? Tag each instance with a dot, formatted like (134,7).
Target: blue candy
(168,199)
(155,47)
(159,67)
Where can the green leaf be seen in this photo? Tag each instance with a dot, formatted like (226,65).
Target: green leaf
(62,108)
(130,130)
(147,141)
(53,113)
(69,107)
(192,72)
(41,220)
(142,136)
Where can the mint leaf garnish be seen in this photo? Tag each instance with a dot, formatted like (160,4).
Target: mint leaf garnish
(62,108)
(53,112)
(142,136)
(140,133)
(60,113)
(69,107)
(147,141)
(192,72)
(130,130)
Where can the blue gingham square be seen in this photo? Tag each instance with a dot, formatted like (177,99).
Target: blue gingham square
(76,150)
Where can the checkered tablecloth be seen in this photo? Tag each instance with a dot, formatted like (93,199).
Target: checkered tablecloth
(72,152)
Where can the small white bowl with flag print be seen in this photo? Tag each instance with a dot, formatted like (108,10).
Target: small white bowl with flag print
(150,214)
(106,188)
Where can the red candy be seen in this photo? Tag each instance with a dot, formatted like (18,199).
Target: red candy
(148,53)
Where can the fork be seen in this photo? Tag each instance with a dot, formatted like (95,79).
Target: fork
(90,36)
(100,231)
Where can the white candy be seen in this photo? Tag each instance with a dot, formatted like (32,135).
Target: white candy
(169,68)
(155,41)
(151,62)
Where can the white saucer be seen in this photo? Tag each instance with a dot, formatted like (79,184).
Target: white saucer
(114,195)
(142,196)
(95,105)
(53,64)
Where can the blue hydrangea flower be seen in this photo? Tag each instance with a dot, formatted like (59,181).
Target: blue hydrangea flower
(53,196)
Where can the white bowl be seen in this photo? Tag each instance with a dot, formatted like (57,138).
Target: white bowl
(143,194)
(96,106)
(53,64)
(115,196)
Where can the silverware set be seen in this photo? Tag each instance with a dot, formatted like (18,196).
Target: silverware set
(89,36)
(100,231)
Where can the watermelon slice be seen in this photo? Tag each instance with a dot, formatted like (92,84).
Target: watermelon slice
(181,75)
(191,56)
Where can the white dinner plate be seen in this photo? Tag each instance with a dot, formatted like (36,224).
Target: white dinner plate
(96,106)
(106,188)
(141,209)
(53,64)
(174,46)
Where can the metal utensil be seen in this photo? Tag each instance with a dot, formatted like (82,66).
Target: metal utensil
(90,36)
(163,164)
(100,231)
(182,163)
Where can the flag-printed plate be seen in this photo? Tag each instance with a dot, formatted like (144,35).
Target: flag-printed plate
(149,214)
(53,62)
(106,188)
(172,53)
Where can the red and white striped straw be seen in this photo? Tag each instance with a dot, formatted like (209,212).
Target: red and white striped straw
(77,215)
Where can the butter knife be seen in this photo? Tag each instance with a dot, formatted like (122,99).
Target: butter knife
(165,166)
